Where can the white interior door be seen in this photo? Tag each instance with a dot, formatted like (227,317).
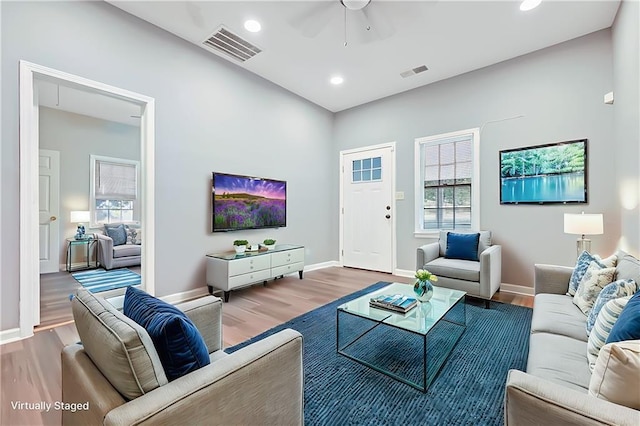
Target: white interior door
(49,206)
(368,209)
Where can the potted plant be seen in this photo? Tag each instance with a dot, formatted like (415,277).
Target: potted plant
(269,243)
(423,286)
(240,245)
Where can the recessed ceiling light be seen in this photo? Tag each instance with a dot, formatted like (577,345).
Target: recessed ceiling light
(529,4)
(252,25)
(336,79)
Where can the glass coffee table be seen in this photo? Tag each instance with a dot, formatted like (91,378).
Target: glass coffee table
(410,347)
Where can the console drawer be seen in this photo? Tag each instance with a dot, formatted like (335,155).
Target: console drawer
(287,257)
(253,277)
(287,269)
(250,264)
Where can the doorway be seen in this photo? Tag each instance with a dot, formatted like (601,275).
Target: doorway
(367,208)
(29,181)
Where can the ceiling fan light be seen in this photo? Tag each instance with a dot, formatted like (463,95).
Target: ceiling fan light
(355,4)
(252,26)
(529,4)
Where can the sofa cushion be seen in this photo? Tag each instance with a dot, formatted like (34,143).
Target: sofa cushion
(117,233)
(126,250)
(462,246)
(120,348)
(559,359)
(604,323)
(180,346)
(556,313)
(628,267)
(579,270)
(628,325)
(594,280)
(455,268)
(615,376)
(483,243)
(619,288)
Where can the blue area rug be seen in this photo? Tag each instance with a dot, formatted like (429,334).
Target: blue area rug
(469,390)
(98,280)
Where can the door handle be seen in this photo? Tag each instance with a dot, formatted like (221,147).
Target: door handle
(53,218)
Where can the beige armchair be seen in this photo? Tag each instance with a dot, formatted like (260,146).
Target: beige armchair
(115,377)
(479,278)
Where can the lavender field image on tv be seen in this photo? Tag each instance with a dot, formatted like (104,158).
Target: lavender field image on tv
(241,202)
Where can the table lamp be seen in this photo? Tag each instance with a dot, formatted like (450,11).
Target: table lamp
(583,224)
(80,217)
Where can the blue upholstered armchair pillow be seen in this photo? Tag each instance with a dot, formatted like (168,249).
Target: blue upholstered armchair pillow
(462,246)
(178,342)
(117,233)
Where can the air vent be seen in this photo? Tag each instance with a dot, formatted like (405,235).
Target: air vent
(224,41)
(414,71)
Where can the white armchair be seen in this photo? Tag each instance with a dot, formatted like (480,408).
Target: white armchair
(479,278)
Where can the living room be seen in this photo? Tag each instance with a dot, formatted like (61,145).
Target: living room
(214,116)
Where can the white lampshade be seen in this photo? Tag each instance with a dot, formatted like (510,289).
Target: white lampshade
(583,224)
(79,216)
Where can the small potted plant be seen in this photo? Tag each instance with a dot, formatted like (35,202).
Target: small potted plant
(240,245)
(423,286)
(269,243)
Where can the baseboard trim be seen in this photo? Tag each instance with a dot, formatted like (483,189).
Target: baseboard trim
(10,335)
(322,265)
(185,295)
(518,289)
(404,273)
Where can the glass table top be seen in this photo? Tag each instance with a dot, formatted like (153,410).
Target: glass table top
(420,319)
(232,255)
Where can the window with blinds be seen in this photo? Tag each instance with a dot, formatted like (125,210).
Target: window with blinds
(445,181)
(114,195)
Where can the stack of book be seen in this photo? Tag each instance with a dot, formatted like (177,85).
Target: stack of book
(396,302)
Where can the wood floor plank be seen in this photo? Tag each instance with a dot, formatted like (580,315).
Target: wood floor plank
(31,370)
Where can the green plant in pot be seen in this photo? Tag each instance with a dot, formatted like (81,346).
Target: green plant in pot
(240,245)
(269,243)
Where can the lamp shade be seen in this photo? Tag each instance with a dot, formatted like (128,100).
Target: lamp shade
(583,224)
(79,216)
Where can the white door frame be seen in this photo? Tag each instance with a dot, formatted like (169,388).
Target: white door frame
(29,145)
(394,211)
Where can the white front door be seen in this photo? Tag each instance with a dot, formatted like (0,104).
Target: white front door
(49,205)
(368,208)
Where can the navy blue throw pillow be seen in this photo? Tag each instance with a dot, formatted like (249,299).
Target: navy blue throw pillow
(627,326)
(462,246)
(178,342)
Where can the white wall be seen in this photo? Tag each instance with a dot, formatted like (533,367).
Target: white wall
(626,106)
(210,116)
(559,90)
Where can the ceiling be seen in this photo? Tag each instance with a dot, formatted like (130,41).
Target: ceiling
(302,42)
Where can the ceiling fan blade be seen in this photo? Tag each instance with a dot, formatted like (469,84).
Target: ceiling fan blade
(379,22)
(314,20)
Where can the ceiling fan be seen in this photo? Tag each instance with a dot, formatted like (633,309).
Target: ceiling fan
(367,18)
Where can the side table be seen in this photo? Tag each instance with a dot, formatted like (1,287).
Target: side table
(88,244)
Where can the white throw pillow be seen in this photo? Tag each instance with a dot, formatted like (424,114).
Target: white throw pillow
(606,319)
(616,376)
(594,280)
(608,262)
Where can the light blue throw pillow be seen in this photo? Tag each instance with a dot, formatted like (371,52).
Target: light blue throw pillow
(580,269)
(616,289)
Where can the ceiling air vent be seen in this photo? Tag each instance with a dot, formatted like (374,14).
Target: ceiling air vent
(414,71)
(224,41)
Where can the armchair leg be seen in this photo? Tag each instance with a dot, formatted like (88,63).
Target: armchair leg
(487,303)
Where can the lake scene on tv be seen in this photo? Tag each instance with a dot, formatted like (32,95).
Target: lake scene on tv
(546,174)
(242,202)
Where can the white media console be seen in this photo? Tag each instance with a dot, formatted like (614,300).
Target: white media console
(228,271)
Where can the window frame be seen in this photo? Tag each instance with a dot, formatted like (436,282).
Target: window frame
(94,159)
(474,134)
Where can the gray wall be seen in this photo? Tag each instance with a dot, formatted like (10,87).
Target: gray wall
(559,90)
(210,116)
(77,137)
(626,119)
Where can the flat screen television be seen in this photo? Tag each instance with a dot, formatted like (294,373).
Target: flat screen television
(246,202)
(554,173)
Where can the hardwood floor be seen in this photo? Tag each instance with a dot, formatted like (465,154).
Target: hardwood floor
(31,369)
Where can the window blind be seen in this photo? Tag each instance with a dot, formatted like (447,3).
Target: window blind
(116,180)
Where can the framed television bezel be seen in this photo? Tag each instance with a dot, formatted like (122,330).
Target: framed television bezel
(585,200)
